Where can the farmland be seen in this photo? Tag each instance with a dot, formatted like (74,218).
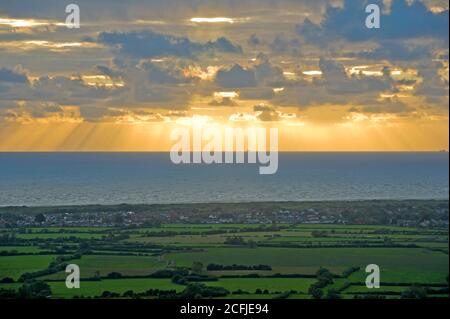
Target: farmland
(227,260)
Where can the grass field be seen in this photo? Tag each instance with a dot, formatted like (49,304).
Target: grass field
(287,249)
(14,266)
(126,265)
(271,284)
(420,264)
(21,249)
(96,288)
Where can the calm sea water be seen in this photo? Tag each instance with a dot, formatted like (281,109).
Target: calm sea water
(111,178)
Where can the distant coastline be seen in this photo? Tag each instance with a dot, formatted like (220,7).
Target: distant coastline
(406,213)
(211,205)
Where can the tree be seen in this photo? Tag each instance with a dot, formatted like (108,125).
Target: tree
(40,218)
(179,280)
(8,294)
(35,290)
(197,291)
(128,294)
(252,244)
(317,233)
(6,280)
(414,292)
(97,275)
(333,294)
(197,267)
(84,246)
(114,275)
(315,292)
(236,241)
(324,276)
(324,273)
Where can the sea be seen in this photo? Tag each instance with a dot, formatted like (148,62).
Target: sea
(52,179)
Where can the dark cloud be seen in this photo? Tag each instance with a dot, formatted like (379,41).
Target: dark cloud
(266,73)
(154,85)
(261,75)
(434,87)
(394,50)
(281,44)
(147,44)
(389,105)
(104,114)
(254,40)
(409,32)
(13,76)
(334,87)
(256,93)
(67,90)
(402,22)
(59,89)
(93,113)
(15,111)
(222,44)
(106,70)
(42,110)
(145,85)
(337,82)
(157,96)
(159,75)
(236,77)
(269,113)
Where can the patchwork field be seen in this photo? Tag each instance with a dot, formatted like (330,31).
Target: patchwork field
(228,260)
(14,266)
(102,265)
(419,265)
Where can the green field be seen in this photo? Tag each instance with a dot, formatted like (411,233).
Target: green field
(126,265)
(21,249)
(118,286)
(422,265)
(14,266)
(405,256)
(273,285)
(96,288)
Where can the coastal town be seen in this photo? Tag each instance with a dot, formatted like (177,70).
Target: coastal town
(402,213)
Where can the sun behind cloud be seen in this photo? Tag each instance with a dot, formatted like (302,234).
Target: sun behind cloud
(123,81)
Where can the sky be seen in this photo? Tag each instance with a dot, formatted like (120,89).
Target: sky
(136,70)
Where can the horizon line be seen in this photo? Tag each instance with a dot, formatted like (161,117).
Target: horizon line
(191,152)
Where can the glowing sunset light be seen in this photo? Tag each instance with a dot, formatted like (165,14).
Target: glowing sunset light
(102,81)
(25,23)
(217,20)
(230,95)
(19,23)
(313,72)
(198,72)
(54,44)
(278,90)
(242,117)
(213,20)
